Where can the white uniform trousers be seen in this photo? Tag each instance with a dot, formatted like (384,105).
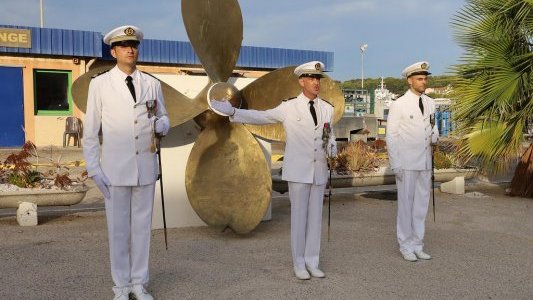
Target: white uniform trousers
(413,199)
(129,224)
(306,222)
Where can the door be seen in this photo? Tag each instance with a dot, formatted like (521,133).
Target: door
(12,111)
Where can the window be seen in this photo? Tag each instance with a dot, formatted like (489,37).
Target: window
(52,92)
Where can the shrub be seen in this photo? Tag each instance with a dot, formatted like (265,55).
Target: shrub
(441,160)
(18,170)
(356,157)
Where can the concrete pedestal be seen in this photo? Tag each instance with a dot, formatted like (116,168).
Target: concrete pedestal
(176,147)
(27,214)
(455,186)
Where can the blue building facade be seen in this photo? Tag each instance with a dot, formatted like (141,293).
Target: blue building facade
(38,66)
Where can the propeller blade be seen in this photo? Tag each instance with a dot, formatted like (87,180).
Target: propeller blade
(227,178)
(269,90)
(180,108)
(215,31)
(80,87)
(266,92)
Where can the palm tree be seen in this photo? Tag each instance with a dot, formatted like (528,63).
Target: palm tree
(494,88)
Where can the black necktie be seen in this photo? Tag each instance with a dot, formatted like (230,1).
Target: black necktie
(421,105)
(129,83)
(313,112)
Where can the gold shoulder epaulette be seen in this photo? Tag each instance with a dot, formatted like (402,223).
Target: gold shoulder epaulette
(328,102)
(149,74)
(103,72)
(289,99)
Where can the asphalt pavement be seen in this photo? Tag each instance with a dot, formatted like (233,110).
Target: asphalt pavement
(481,243)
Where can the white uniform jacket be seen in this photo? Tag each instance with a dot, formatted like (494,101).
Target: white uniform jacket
(305,158)
(409,133)
(125,156)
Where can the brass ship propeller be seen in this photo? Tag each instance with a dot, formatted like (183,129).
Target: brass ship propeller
(227,178)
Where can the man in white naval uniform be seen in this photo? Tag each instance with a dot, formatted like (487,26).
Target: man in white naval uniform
(409,143)
(126,169)
(304,164)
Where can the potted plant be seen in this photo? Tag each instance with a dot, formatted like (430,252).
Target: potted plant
(360,163)
(21,180)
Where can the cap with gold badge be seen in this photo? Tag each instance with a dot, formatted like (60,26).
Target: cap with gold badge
(123,33)
(419,68)
(310,69)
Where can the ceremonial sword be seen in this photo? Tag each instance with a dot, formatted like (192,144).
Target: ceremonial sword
(432,122)
(158,143)
(330,163)
(326,131)
(151,106)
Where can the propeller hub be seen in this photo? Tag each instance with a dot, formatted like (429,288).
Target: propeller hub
(224,91)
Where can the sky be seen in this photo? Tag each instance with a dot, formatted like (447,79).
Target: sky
(398,32)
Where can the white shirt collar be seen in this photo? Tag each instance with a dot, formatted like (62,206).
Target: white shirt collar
(135,75)
(413,95)
(308,100)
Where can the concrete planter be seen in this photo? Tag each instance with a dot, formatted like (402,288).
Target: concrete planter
(382,176)
(42,197)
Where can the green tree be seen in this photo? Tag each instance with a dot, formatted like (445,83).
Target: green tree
(494,85)
(395,85)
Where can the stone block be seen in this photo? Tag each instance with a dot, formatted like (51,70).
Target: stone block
(27,214)
(455,186)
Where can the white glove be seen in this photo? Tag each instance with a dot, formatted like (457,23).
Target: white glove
(162,125)
(102,182)
(223,107)
(399,174)
(435,135)
(434,139)
(332,150)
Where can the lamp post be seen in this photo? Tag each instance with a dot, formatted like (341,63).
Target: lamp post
(363,49)
(42,17)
